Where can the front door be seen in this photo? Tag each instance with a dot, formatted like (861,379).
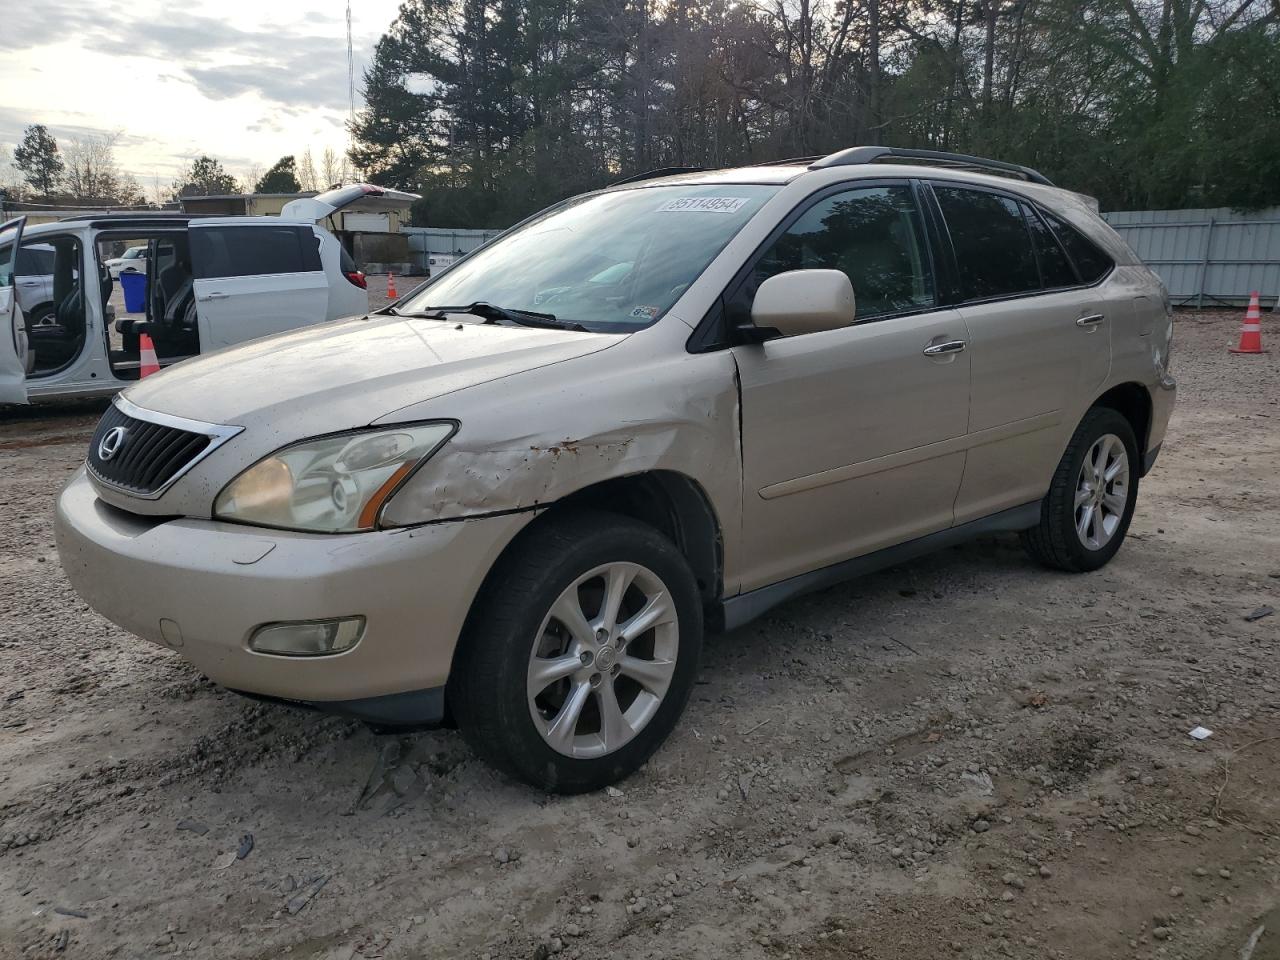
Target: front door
(13,331)
(255,279)
(852,439)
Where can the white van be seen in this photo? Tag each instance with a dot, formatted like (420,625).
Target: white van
(208,283)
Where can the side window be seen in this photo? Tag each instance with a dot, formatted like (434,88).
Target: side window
(1092,263)
(252,251)
(35,262)
(874,235)
(1055,268)
(993,248)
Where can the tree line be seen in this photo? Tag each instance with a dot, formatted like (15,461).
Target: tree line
(494,108)
(84,170)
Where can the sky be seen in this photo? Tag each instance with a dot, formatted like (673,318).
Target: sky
(245,82)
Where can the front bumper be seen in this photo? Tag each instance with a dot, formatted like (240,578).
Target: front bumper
(200,587)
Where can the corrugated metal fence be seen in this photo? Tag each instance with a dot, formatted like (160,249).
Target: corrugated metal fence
(438,247)
(1207,257)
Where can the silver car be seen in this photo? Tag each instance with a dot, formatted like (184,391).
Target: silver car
(516,499)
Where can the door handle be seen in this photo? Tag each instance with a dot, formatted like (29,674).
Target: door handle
(951,346)
(216,295)
(1090,321)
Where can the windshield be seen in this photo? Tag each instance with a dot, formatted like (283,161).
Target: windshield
(612,262)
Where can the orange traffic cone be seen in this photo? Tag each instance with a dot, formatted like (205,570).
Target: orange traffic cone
(147,354)
(1251,330)
(391,285)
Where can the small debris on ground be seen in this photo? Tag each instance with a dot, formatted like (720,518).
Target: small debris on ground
(308,892)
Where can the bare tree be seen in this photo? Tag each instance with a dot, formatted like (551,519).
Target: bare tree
(157,193)
(92,173)
(307,177)
(251,175)
(335,169)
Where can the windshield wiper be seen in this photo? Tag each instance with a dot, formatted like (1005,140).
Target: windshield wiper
(492,313)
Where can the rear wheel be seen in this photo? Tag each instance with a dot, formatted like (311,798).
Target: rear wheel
(44,315)
(1084,518)
(581,654)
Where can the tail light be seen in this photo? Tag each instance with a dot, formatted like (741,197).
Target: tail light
(358,279)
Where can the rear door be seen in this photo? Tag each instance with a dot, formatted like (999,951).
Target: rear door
(255,279)
(1039,341)
(13,332)
(358,198)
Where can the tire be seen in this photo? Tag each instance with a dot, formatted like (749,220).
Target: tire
(508,718)
(1067,539)
(44,315)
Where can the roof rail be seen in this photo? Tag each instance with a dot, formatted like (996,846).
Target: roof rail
(659,172)
(856,155)
(787,162)
(138,215)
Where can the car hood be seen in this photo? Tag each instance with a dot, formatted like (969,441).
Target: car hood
(345,374)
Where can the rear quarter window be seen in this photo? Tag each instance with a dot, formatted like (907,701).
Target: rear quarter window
(1091,262)
(251,251)
(1055,266)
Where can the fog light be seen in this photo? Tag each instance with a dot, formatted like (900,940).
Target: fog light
(311,638)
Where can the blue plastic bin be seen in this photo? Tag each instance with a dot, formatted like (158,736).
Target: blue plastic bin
(134,286)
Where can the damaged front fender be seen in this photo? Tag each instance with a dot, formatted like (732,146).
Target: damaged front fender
(539,437)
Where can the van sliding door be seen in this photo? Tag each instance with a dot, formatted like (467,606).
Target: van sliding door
(254,279)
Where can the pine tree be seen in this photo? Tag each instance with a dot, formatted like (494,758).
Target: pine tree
(38,159)
(281,178)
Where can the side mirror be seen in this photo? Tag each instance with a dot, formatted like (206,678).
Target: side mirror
(804,301)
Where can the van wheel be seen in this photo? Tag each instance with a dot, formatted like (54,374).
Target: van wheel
(44,315)
(1086,514)
(580,653)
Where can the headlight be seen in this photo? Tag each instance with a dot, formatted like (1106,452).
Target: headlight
(330,484)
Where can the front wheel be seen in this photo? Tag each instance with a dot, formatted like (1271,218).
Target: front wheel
(1085,516)
(581,652)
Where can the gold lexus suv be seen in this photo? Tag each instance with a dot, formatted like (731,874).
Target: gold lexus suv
(516,499)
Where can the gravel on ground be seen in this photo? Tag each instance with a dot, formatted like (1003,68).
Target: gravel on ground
(964,756)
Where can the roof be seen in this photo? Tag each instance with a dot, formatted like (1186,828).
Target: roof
(783,171)
(97,219)
(249,196)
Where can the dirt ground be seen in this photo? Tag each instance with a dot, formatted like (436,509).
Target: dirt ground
(964,756)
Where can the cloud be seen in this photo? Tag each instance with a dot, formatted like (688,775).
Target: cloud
(307,86)
(289,65)
(14,122)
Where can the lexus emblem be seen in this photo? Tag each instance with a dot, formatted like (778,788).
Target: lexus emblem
(110,444)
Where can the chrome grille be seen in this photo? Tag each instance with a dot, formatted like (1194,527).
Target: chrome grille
(141,452)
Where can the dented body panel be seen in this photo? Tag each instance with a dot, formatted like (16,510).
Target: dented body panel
(632,409)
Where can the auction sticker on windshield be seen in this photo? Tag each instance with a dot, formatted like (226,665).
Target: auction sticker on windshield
(703,205)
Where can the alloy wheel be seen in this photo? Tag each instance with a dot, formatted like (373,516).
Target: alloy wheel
(602,660)
(1102,492)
